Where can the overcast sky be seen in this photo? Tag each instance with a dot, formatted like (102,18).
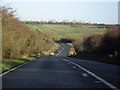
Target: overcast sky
(94,12)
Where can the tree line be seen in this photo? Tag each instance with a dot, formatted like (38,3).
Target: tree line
(73,23)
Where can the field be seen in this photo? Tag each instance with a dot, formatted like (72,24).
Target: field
(66,31)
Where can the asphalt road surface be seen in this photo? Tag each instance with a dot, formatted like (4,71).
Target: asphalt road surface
(59,71)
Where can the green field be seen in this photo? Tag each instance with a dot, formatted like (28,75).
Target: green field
(66,31)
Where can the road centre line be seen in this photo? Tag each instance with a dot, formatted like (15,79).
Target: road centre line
(60,52)
(85,75)
(74,67)
(94,75)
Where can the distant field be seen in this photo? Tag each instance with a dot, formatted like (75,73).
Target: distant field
(66,31)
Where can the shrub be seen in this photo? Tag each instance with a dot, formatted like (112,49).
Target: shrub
(105,46)
(111,42)
(18,40)
(88,44)
(92,43)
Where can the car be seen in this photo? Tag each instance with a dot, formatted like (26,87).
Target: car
(57,50)
(52,53)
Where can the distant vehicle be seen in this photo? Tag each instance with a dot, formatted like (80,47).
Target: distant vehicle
(61,44)
(57,50)
(52,53)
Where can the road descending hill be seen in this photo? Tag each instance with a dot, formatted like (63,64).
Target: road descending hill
(59,71)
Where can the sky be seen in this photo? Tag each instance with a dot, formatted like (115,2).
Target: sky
(93,12)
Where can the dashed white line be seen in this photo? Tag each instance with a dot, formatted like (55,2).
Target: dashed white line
(74,67)
(94,75)
(97,81)
(85,75)
(14,68)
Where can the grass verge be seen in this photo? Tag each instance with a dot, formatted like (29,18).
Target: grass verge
(69,48)
(8,64)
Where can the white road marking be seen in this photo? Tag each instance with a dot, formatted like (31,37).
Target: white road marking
(60,52)
(15,68)
(85,75)
(97,81)
(22,65)
(94,75)
(74,67)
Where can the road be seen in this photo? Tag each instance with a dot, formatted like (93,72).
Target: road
(59,71)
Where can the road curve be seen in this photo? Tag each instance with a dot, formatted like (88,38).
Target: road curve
(59,71)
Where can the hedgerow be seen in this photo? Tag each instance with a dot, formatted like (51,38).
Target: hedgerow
(19,40)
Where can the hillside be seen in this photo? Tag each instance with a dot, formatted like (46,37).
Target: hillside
(19,42)
(66,31)
(89,42)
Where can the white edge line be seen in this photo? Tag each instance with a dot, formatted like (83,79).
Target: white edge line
(97,77)
(15,68)
(22,65)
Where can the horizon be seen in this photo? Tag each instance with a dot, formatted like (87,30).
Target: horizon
(67,21)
